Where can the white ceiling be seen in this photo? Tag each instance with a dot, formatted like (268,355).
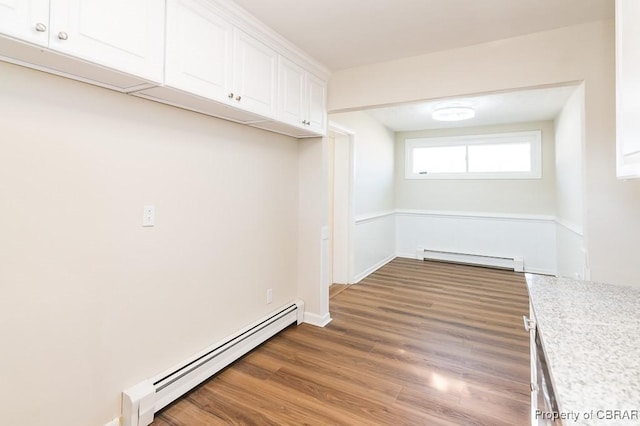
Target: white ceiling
(497,108)
(348,33)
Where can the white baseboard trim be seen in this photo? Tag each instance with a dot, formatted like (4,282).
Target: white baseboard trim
(539,271)
(406,255)
(114,422)
(528,270)
(317,320)
(373,268)
(507,262)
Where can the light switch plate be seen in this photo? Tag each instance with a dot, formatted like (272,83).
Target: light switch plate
(149,216)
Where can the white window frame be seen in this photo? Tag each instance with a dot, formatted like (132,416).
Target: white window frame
(533,138)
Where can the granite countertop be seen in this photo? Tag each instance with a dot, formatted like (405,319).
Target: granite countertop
(591,338)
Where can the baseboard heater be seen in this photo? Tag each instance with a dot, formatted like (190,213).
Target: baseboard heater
(142,401)
(511,263)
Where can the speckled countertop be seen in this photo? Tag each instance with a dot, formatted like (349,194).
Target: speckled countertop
(591,337)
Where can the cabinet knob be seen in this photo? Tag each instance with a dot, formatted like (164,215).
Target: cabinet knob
(40,27)
(238,98)
(63,36)
(231,95)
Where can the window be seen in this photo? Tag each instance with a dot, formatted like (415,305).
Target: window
(496,156)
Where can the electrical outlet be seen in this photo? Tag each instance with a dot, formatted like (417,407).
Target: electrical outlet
(269,295)
(149,216)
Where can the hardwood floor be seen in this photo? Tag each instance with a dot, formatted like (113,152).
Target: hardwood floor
(415,343)
(336,289)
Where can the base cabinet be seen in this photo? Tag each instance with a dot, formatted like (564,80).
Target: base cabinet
(543,400)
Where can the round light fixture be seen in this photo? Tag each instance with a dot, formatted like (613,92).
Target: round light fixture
(453,113)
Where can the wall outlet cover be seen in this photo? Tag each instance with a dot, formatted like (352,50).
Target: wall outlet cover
(149,215)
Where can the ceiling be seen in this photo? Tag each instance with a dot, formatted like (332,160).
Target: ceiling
(347,33)
(496,108)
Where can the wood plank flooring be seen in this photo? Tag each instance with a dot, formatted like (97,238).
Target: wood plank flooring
(415,343)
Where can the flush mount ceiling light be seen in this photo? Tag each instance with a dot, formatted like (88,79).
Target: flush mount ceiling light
(453,113)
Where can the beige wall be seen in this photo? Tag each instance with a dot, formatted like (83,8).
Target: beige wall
(570,171)
(92,302)
(524,196)
(312,218)
(561,55)
(578,53)
(569,149)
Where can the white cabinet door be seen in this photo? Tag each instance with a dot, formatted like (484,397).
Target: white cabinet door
(127,35)
(301,97)
(316,104)
(26,20)
(254,75)
(628,88)
(198,56)
(529,325)
(291,93)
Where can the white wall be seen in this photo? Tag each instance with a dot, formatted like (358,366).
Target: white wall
(374,234)
(578,53)
(569,149)
(92,302)
(494,217)
(342,216)
(529,237)
(374,150)
(525,196)
(374,243)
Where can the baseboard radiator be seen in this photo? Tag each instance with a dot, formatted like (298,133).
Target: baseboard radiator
(511,263)
(142,401)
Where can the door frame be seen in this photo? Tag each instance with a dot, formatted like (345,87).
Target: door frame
(346,213)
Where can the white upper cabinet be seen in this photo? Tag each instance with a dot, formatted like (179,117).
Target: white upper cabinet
(26,20)
(254,75)
(316,103)
(127,35)
(209,57)
(117,44)
(291,96)
(302,97)
(628,88)
(199,50)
